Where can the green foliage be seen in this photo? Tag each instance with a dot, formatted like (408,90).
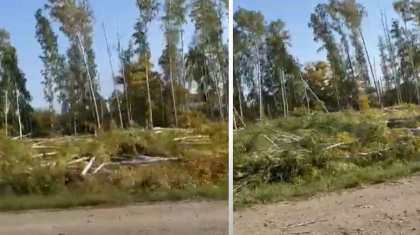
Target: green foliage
(296,152)
(42,123)
(192,119)
(364,103)
(276,84)
(51,58)
(319,106)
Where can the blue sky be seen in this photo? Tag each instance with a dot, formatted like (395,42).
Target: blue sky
(296,13)
(17,17)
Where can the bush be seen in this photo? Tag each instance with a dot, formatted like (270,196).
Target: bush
(191,119)
(364,103)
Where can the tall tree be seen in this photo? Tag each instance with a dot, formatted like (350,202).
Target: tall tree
(173,20)
(113,75)
(50,58)
(251,23)
(391,54)
(148,10)
(384,62)
(4,45)
(404,9)
(209,30)
(279,63)
(240,64)
(323,31)
(13,82)
(76,23)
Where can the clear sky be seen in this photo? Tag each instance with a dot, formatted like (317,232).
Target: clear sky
(17,17)
(296,14)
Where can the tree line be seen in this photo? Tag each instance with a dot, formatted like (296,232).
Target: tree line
(270,82)
(143,95)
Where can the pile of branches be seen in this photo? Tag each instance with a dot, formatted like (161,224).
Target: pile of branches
(130,155)
(274,152)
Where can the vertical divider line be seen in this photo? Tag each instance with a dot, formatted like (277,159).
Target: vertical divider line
(230,108)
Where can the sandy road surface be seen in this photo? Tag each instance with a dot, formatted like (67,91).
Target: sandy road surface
(186,218)
(389,208)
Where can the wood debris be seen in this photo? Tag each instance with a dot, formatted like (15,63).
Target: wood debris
(44,154)
(300,224)
(88,166)
(85,164)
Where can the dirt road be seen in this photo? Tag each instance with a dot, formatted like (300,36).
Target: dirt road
(204,218)
(389,208)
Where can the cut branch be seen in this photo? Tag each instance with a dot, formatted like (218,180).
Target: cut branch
(88,166)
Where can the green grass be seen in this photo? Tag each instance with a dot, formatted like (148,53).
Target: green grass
(273,193)
(110,197)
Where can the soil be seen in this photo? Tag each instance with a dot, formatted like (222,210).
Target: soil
(190,218)
(388,208)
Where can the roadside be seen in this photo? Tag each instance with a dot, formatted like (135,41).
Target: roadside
(111,197)
(388,208)
(204,218)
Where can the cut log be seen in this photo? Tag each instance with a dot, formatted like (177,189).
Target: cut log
(194,137)
(44,154)
(334,146)
(78,160)
(24,136)
(143,160)
(98,168)
(195,143)
(88,166)
(43,147)
(169,129)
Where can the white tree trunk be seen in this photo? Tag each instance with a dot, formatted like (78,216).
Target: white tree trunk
(6,110)
(391,52)
(18,111)
(120,53)
(82,48)
(149,100)
(183,66)
(313,93)
(239,87)
(173,92)
(163,103)
(113,76)
(259,83)
(412,62)
(283,94)
(216,84)
(219,95)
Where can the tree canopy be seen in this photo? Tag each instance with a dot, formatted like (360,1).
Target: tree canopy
(144,94)
(270,81)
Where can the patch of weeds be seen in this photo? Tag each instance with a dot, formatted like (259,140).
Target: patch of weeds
(271,193)
(110,197)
